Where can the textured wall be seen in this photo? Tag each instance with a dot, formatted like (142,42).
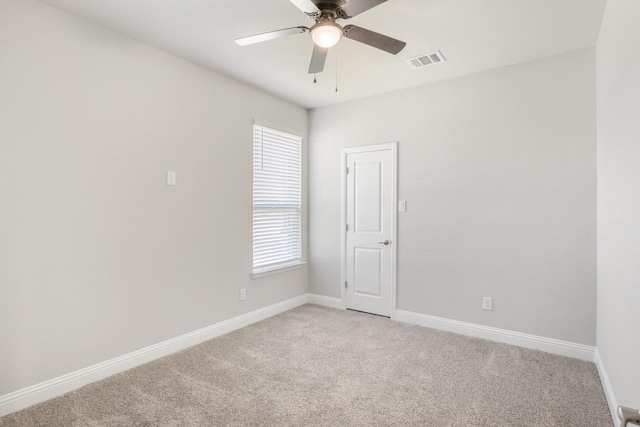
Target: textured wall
(98,256)
(618,70)
(498,171)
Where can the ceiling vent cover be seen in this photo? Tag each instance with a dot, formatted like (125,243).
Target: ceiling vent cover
(423,60)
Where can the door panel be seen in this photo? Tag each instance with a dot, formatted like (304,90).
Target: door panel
(367,267)
(367,212)
(370,209)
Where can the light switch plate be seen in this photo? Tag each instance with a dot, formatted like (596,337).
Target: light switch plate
(171,178)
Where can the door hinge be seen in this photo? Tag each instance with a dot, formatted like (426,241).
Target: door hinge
(346,227)
(345,284)
(347,170)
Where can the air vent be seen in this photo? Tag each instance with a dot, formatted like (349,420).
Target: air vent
(426,59)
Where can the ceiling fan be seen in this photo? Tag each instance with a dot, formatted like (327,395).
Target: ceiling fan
(326,32)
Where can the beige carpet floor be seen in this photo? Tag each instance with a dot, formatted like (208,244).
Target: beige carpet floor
(315,366)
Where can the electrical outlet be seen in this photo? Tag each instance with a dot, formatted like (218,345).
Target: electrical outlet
(487,303)
(243,294)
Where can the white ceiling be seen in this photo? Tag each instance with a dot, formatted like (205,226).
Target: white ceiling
(473,35)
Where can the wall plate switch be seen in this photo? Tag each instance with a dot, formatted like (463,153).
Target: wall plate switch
(487,303)
(402,206)
(171,178)
(243,294)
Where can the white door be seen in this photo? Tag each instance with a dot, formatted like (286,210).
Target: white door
(370,199)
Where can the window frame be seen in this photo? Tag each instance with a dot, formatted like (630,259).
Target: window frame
(278,193)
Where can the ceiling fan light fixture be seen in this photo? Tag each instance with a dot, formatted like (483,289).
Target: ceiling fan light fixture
(326,34)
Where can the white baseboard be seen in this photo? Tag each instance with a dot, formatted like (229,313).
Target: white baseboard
(46,390)
(330,302)
(550,345)
(608,389)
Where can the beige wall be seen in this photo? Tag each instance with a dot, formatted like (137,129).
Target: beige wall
(98,256)
(618,82)
(498,171)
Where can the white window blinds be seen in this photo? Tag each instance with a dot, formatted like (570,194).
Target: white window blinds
(277,216)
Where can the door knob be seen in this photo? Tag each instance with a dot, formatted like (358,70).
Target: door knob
(386,242)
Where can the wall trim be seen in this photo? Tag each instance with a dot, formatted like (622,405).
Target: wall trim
(46,390)
(550,345)
(608,389)
(330,302)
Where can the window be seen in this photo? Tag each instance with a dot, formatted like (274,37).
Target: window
(277,206)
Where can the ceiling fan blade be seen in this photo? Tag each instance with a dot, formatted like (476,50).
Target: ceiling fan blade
(306,6)
(356,7)
(374,39)
(243,41)
(318,58)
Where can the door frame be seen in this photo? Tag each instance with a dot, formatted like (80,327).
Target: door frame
(393,146)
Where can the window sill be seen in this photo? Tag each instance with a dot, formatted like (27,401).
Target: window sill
(256,274)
